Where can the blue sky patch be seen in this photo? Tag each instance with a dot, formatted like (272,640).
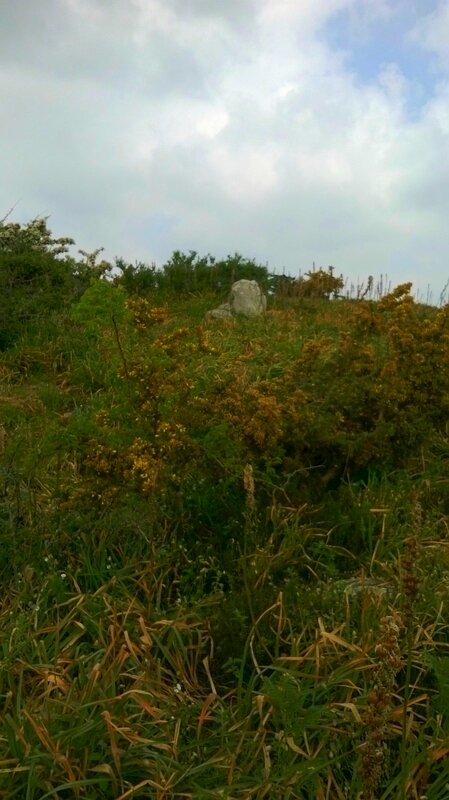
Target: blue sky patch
(370,49)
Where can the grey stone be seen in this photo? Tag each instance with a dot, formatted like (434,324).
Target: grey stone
(246,298)
(222,312)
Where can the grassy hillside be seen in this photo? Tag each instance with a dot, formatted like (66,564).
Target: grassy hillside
(224,549)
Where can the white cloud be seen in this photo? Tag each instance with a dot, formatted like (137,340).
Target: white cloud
(307,16)
(211,122)
(146,126)
(431,32)
(244,174)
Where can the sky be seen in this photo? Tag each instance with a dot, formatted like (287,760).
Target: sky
(293,132)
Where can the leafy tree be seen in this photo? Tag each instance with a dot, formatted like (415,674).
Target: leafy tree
(185,273)
(33,237)
(237,267)
(87,270)
(318,283)
(34,279)
(136,279)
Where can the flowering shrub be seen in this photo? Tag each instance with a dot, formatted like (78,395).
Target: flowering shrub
(144,314)
(208,532)
(319,283)
(207,400)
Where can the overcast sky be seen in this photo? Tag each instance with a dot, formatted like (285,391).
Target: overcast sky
(291,131)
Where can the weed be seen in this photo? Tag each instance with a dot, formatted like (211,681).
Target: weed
(225,548)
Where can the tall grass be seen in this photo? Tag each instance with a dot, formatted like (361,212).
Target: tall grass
(224,553)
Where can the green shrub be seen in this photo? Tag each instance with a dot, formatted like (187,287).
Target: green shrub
(101,304)
(33,285)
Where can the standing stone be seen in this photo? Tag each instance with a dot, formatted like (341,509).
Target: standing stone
(246,298)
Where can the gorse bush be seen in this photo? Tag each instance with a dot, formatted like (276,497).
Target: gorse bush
(197,407)
(223,546)
(374,393)
(315,283)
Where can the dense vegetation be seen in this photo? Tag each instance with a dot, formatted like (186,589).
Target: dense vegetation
(224,545)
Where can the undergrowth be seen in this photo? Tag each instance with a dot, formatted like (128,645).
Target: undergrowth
(224,550)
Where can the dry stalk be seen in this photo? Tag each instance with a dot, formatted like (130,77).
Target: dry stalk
(379,703)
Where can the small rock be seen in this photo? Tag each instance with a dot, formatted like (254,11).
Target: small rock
(222,312)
